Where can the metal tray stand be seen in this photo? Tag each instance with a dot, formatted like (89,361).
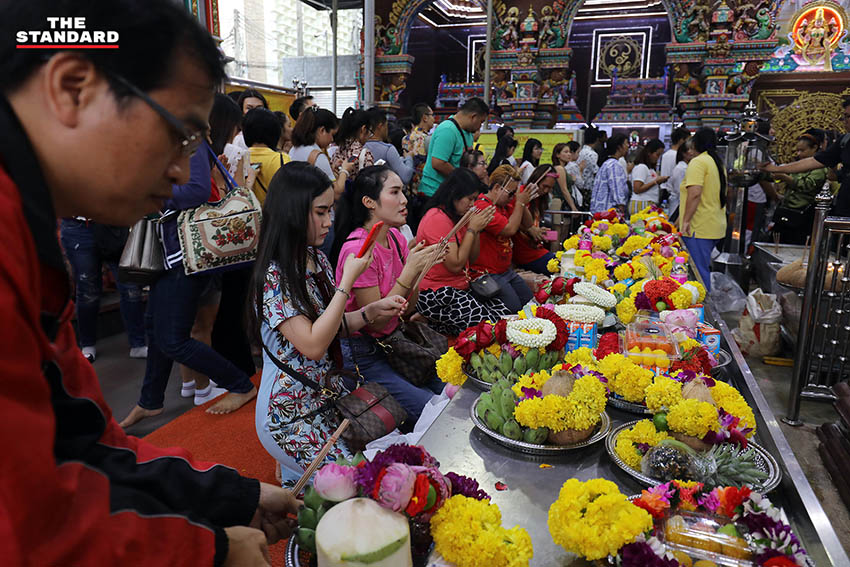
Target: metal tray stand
(764,460)
(599,433)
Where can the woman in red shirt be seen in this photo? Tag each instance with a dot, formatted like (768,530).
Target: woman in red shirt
(529,250)
(444,294)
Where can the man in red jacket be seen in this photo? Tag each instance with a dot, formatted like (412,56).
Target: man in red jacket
(100,133)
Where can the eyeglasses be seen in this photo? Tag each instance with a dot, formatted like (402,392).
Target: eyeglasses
(189,141)
(510,193)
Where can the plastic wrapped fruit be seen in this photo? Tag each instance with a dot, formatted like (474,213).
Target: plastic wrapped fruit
(665,462)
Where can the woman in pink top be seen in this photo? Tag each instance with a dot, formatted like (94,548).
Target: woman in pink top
(376,195)
(444,294)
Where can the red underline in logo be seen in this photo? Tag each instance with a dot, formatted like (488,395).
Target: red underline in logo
(68,46)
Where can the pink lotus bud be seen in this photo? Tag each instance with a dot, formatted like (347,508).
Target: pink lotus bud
(335,482)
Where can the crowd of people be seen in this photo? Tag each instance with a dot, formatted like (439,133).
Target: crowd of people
(100,140)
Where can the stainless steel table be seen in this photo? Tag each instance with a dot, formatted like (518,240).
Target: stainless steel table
(460,448)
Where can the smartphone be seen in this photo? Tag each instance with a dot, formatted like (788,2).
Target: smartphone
(373,234)
(256,166)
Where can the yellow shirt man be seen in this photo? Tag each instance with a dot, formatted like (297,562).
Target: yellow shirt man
(266,161)
(709,220)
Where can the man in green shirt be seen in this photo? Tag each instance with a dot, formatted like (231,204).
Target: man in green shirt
(450,139)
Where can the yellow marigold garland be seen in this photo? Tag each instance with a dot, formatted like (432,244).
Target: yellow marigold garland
(602,243)
(594,519)
(571,243)
(596,267)
(495,349)
(631,382)
(553,265)
(642,432)
(469,532)
(450,368)
(626,310)
(582,257)
(633,244)
(579,410)
(681,298)
(663,393)
(693,417)
(535,381)
(583,356)
(731,400)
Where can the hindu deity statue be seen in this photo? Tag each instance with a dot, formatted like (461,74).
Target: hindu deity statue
(550,30)
(393,88)
(507,35)
(817,41)
(502,88)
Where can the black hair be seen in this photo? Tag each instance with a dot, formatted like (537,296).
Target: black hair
(405,124)
(420,110)
(251,93)
(818,133)
(224,117)
(503,131)
(500,155)
(686,145)
(235,95)
(469,158)
(591,134)
(152,36)
(528,151)
(705,140)
(555,151)
(396,138)
(475,105)
(375,117)
(298,105)
(613,144)
(304,132)
(283,240)
(680,134)
(651,147)
(351,212)
(812,140)
(536,177)
(460,183)
(353,119)
(261,126)
(574,146)
(282,117)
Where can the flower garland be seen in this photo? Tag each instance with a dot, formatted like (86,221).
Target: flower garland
(693,417)
(580,410)
(626,310)
(631,382)
(632,444)
(633,244)
(596,267)
(663,393)
(774,543)
(596,294)
(580,313)
(594,519)
(450,368)
(532,333)
(469,532)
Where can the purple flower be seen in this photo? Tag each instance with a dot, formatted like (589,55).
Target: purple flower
(511,350)
(708,381)
(710,501)
(685,376)
(529,393)
(466,486)
(642,301)
(413,455)
(642,447)
(759,523)
(665,491)
(640,554)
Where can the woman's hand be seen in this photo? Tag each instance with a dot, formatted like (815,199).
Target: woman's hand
(526,194)
(354,267)
(350,167)
(536,233)
(661,179)
(481,218)
(421,255)
(388,307)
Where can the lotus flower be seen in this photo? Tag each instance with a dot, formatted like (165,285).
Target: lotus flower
(394,487)
(335,482)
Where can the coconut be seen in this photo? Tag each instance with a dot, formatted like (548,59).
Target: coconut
(360,532)
(691,441)
(560,384)
(570,436)
(697,390)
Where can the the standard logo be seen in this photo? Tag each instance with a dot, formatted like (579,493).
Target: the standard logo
(67,33)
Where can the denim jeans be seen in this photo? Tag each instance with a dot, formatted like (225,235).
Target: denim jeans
(172,306)
(539,265)
(82,252)
(514,292)
(700,250)
(375,367)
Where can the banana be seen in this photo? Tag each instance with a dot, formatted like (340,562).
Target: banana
(513,377)
(475,362)
(490,377)
(493,420)
(491,363)
(520,365)
(496,391)
(507,403)
(307,518)
(532,359)
(506,363)
(512,430)
(485,402)
(536,436)
(307,538)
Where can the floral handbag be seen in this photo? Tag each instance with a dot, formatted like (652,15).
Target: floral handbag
(223,235)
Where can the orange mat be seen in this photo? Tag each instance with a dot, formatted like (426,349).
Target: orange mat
(228,439)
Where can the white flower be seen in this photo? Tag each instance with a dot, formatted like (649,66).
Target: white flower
(580,313)
(517,334)
(596,294)
(694,292)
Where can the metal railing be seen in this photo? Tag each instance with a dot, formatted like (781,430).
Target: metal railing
(823,339)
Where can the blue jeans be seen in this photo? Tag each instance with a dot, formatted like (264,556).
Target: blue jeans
(375,367)
(539,265)
(700,251)
(82,252)
(172,306)
(514,292)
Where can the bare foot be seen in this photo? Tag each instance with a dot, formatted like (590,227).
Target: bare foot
(137,414)
(232,402)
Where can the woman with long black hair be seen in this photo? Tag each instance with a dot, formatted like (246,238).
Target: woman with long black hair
(298,311)
(646,183)
(531,153)
(702,202)
(504,149)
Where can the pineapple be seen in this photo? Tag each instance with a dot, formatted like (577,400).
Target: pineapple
(735,467)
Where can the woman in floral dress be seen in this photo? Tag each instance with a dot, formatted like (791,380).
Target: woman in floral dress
(299,312)
(352,134)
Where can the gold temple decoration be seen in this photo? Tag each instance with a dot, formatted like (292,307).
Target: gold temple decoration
(622,53)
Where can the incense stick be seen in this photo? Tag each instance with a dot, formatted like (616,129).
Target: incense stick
(305,478)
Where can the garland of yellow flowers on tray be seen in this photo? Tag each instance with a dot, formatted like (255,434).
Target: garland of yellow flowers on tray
(469,533)
(579,410)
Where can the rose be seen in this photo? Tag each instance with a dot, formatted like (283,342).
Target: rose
(335,482)
(542,295)
(558,286)
(394,487)
(484,335)
(568,286)
(465,347)
(501,331)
